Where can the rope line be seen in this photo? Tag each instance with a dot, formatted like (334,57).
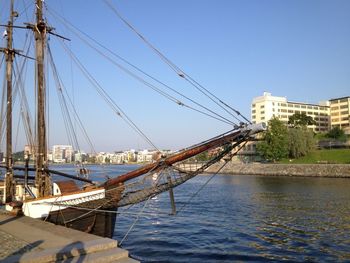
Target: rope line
(210,178)
(135,221)
(117,110)
(172,65)
(213,114)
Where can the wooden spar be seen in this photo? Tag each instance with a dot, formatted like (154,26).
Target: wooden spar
(42,179)
(9,188)
(186,154)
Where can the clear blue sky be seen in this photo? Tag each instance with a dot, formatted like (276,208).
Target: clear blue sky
(236,49)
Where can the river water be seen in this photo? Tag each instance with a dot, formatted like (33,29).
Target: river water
(241,218)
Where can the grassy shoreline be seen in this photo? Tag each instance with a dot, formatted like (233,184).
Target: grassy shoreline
(332,156)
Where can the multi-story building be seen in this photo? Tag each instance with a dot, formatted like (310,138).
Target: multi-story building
(267,106)
(80,156)
(101,157)
(62,153)
(340,113)
(131,156)
(119,157)
(145,156)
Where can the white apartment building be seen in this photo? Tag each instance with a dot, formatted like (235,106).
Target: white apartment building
(265,107)
(119,158)
(144,156)
(62,153)
(80,156)
(131,155)
(340,113)
(101,157)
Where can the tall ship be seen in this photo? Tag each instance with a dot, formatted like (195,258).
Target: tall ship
(74,200)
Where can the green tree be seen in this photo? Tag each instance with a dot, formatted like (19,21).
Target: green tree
(91,159)
(337,134)
(310,140)
(18,156)
(300,120)
(301,142)
(275,141)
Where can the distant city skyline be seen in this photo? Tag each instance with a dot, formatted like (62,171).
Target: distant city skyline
(236,49)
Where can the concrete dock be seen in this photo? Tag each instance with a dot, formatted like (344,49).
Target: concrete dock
(24,239)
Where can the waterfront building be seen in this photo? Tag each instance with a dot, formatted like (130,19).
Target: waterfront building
(91,158)
(265,107)
(119,157)
(131,155)
(62,153)
(80,156)
(340,113)
(101,157)
(50,157)
(144,156)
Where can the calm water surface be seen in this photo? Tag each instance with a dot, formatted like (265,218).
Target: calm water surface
(242,218)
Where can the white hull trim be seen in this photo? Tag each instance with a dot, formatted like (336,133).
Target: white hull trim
(41,208)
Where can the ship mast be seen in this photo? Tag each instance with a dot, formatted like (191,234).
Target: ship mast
(42,178)
(10,53)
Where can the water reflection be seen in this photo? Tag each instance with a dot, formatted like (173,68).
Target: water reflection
(304,217)
(243,218)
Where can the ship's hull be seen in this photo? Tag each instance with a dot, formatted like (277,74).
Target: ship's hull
(79,210)
(95,222)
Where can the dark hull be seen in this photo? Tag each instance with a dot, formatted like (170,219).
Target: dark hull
(97,223)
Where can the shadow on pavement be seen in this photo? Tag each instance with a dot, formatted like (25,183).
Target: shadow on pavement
(17,255)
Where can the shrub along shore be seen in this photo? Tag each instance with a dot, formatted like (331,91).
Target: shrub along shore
(275,169)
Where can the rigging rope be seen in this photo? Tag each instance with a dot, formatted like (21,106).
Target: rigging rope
(174,67)
(17,89)
(25,9)
(210,178)
(117,110)
(24,100)
(2,60)
(135,221)
(64,108)
(61,91)
(25,110)
(213,114)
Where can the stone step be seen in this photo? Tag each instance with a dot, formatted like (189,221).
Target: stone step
(127,260)
(75,249)
(52,243)
(110,255)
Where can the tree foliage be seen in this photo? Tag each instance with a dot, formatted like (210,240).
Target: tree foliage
(301,142)
(337,134)
(279,141)
(92,159)
(275,141)
(18,156)
(300,120)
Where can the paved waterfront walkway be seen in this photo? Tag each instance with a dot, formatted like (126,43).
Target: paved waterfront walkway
(11,245)
(24,239)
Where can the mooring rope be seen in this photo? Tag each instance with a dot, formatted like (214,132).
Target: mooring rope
(135,221)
